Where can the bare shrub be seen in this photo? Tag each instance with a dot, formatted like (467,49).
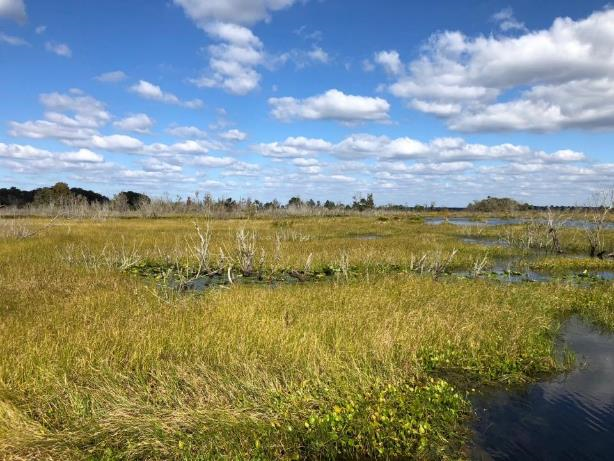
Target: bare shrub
(436,263)
(246,251)
(595,216)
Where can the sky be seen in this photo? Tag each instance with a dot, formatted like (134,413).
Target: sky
(415,102)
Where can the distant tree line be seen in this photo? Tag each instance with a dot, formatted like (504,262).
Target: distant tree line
(61,194)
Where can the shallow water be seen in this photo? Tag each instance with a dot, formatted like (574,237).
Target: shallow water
(570,417)
(470,222)
(572,224)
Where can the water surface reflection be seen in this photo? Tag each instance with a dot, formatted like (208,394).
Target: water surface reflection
(569,417)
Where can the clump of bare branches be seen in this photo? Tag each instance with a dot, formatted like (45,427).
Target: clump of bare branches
(479,265)
(595,217)
(530,236)
(555,220)
(344,265)
(432,263)
(123,257)
(199,246)
(246,251)
(15,228)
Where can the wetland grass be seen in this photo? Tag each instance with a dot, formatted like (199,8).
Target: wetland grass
(380,363)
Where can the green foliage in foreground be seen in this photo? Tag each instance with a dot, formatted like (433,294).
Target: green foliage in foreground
(98,364)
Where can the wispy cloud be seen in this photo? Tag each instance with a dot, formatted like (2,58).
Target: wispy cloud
(61,49)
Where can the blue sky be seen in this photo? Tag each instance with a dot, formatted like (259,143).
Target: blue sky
(415,102)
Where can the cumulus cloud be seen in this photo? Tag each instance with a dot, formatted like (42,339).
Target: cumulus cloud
(114,143)
(203,12)
(112,77)
(214,162)
(13,9)
(139,123)
(61,49)
(82,155)
(545,80)
(232,61)
(187,147)
(390,61)
(293,147)
(438,150)
(88,111)
(27,152)
(332,105)
(235,58)
(230,165)
(45,129)
(234,135)
(186,132)
(72,115)
(148,90)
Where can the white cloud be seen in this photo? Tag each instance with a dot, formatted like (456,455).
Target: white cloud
(213,162)
(115,142)
(436,108)
(139,123)
(577,104)
(545,80)
(82,155)
(306,162)
(318,54)
(203,12)
(390,61)
(40,30)
(186,132)
(88,111)
(293,147)
(30,153)
(232,33)
(17,151)
(12,40)
(426,168)
(181,148)
(332,105)
(85,115)
(13,9)
(232,63)
(112,77)
(148,90)
(436,151)
(562,156)
(301,58)
(155,164)
(234,135)
(43,129)
(61,49)
(507,21)
(234,60)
